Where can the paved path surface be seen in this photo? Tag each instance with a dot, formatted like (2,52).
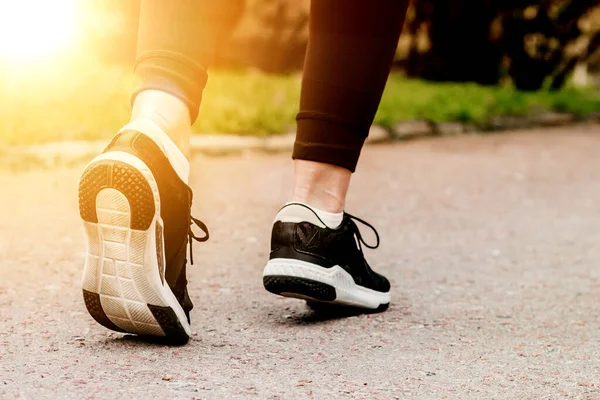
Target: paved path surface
(492,245)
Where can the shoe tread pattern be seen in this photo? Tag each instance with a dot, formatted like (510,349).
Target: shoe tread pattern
(124,178)
(94,307)
(278,284)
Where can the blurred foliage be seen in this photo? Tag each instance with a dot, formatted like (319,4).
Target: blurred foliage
(476,45)
(270,35)
(91,101)
(546,41)
(532,41)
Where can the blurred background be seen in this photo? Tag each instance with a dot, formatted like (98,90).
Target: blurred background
(66,66)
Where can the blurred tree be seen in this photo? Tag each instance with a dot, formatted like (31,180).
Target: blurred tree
(545,41)
(475,41)
(534,42)
(271,36)
(459,47)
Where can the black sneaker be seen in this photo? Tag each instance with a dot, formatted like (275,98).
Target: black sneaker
(313,262)
(136,214)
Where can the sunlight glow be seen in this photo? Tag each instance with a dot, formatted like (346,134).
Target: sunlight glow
(31,30)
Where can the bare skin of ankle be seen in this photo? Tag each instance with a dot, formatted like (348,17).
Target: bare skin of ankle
(168,112)
(320,185)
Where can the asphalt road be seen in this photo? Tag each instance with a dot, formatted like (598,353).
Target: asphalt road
(492,244)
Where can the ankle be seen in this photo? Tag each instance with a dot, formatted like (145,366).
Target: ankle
(321,185)
(168,112)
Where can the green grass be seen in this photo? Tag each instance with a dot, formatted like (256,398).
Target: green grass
(86,102)
(440,102)
(249,103)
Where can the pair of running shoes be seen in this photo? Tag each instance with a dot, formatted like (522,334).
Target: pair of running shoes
(136,208)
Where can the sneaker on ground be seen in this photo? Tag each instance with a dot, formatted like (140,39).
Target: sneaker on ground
(313,262)
(136,213)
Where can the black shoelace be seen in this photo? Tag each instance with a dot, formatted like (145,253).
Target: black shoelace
(192,236)
(361,241)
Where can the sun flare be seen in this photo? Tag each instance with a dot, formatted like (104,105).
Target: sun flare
(34,29)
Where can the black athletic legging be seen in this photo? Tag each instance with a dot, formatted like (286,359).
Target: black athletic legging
(350,50)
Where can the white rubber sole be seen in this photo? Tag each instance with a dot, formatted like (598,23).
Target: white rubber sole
(124,268)
(304,280)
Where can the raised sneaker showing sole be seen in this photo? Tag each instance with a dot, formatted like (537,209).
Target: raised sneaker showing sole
(303,280)
(123,283)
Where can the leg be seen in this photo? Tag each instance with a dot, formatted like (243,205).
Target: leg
(134,199)
(350,51)
(176,44)
(317,248)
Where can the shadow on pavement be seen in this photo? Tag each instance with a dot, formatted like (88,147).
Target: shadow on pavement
(323,312)
(145,340)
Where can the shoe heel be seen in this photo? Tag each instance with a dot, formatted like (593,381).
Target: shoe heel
(123,280)
(117,206)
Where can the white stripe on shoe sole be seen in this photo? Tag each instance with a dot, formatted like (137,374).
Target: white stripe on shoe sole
(122,264)
(347,291)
